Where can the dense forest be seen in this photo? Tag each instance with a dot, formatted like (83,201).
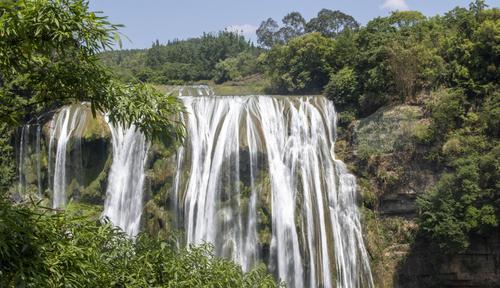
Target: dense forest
(447,64)
(212,56)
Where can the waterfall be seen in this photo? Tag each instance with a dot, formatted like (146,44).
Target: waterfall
(23,147)
(38,144)
(256,177)
(254,157)
(123,205)
(29,159)
(194,90)
(351,256)
(63,126)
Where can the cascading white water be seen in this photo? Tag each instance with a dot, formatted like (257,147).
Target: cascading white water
(257,177)
(241,151)
(123,205)
(38,144)
(24,141)
(194,90)
(352,259)
(63,125)
(29,159)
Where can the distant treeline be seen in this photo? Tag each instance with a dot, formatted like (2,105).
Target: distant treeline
(182,61)
(221,56)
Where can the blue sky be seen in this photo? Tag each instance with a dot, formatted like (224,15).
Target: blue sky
(148,20)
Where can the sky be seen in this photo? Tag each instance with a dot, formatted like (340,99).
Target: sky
(148,20)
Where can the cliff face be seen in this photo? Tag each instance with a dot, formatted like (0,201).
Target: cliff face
(478,267)
(384,152)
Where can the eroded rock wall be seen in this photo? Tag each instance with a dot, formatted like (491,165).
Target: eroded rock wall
(392,171)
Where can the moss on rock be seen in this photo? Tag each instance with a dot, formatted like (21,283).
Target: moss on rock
(386,130)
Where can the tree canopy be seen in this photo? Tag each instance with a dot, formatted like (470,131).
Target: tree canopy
(179,61)
(328,23)
(48,57)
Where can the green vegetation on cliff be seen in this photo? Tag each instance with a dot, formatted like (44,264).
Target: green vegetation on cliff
(447,65)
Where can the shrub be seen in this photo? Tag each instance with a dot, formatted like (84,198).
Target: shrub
(462,203)
(343,88)
(39,248)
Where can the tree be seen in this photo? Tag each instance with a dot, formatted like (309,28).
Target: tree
(406,67)
(477,6)
(303,64)
(188,60)
(39,248)
(48,57)
(343,89)
(404,19)
(463,202)
(294,26)
(235,68)
(154,57)
(267,33)
(331,23)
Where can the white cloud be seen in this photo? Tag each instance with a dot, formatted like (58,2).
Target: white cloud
(246,30)
(395,5)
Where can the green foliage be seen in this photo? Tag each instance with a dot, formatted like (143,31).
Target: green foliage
(7,165)
(471,49)
(331,23)
(39,248)
(301,65)
(447,109)
(294,26)
(235,68)
(343,88)
(491,114)
(328,23)
(182,61)
(463,202)
(268,33)
(423,132)
(406,66)
(393,58)
(48,52)
(128,65)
